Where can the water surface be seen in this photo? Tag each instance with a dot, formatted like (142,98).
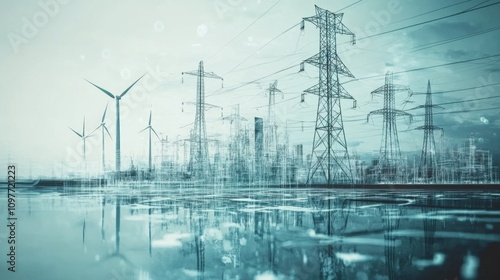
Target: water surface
(174,232)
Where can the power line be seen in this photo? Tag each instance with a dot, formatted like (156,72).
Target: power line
(455,90)
(426,13)
(428,21)
(348,6)
(253,81)
(463,111)
(468,100)
(446,41)
(234,38)
(248,57)
(425,68)
(281,57)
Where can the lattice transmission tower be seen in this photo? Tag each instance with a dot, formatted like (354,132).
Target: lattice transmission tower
(390,164)
(330,157)
(427,169)
(199,159)
(271,137)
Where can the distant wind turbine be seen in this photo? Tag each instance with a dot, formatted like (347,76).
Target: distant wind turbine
(150,129)
(117,98)
(103,128)
(83,136)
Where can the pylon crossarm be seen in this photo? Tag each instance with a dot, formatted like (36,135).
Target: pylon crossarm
(342,29)
(314,60)
(376,112)
(342,68)
(429,127)
(212,75)
(379,90)
(194,73)
(314,20)
(415,108)
(204,74)
(394,87)
(313,90)
(342,93)
(404,114)
(397,87)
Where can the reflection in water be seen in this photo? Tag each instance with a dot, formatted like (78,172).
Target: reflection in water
(200,248)
(149,230)
(210,233)
(116,253)
(103,206)
(83,231)
(391,214)
(429,228)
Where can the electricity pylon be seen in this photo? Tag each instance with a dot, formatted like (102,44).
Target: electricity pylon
(199,159)
(390,163)
(271,137)
(329,153)
(427,169)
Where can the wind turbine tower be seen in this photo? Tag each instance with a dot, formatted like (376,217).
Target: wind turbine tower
(103,128)
(199,159)
(151,129)
(117,98)
(84,138)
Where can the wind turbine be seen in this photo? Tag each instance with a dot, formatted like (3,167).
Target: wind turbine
(117,98)
(103,128)
(83,136)
(150,129)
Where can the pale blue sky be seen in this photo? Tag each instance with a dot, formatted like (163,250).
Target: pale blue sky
(112,43)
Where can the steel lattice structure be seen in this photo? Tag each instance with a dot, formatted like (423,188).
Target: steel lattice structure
(390,164)
(427,169)
(329,152)
(199,159)
(271,137)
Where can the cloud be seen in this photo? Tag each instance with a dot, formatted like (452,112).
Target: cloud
(456,54)
(440,30)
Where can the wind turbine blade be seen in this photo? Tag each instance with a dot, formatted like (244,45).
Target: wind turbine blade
(76,133)
(125,92)
(155,133)
(104,115)
(94,130)
(83,130)
(108,132)
(103,90)
(143,130)
(149,123)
